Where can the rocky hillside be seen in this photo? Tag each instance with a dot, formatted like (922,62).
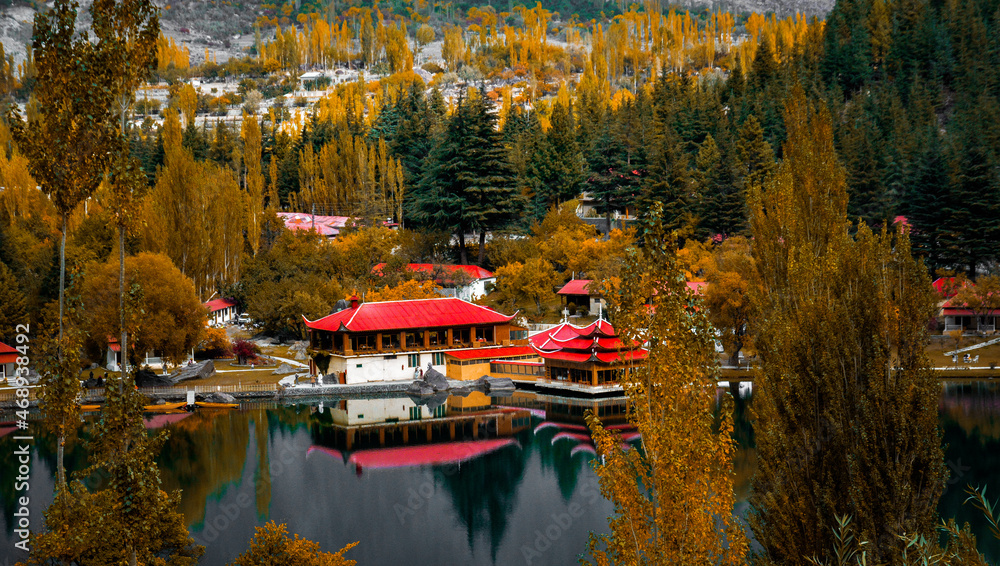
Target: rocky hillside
(225,27)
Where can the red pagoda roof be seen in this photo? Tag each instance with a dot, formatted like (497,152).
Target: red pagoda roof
(399,315)
(596,342)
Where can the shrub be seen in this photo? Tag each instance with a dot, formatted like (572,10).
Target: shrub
(246,352)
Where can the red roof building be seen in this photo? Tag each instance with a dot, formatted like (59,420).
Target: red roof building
(220,311)
(589,355)
(326,226)
(216,305)
(576,287)
(580,294)
(382,331)
(959,316)
(8,360)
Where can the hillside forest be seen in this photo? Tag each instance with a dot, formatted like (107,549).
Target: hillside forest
(479,156)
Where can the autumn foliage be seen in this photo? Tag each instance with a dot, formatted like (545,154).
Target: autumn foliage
(673,498)
(271,546)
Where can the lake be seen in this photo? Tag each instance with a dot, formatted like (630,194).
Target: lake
(462,480)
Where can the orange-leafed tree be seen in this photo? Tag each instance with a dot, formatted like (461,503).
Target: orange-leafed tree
(727,296)
(271,546)
(407,290)
(674,498)
(174,318)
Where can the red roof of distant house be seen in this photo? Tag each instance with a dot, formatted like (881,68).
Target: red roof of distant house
(491,353)
(399,315)
(697,287)
(946,286)
(8,355)
(576,287)
(322,225)
(216,305)
(473,271)
(949,309)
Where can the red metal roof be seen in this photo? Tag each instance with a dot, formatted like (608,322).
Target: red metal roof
(216,305)
(576,287)
(8,355)
(946,287)
(491,353)
(323,225)
(400,315)
(473,271)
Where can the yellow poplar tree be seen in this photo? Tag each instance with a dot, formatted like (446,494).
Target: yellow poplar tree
(847,414)
(674,498)
(254,183)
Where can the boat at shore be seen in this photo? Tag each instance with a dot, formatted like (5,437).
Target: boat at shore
(164,407)
(204,405)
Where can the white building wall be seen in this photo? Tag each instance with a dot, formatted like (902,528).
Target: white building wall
(376,368)
(474,290)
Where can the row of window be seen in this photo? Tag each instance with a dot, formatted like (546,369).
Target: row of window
(392,340)
(484,360)
(517,369)
(413,360)
(439,412)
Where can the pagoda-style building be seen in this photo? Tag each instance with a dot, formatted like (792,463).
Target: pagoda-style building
(590,356)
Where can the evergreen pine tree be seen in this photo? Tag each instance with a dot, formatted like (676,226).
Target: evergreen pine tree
(563,162)
(926,197)
(468,185)
(718,203)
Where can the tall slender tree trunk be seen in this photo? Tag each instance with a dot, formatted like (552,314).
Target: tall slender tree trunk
(461,247)
(482,247)
(60,466)
(123,341)
(62,281)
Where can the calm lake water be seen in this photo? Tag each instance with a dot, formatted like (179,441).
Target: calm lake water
(462,481)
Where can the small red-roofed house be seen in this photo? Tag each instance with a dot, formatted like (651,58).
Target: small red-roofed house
(583,294)
(585,358)
(467,282)
(8,360)
(395,340)
(221,311)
